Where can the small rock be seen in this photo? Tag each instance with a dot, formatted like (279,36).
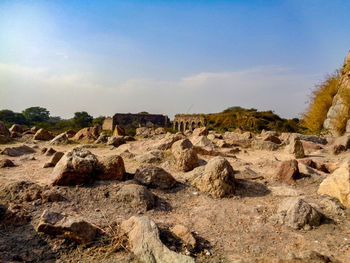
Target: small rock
(43,135)
(136,195)
(288,171)
(116,141)
(6,163)
(111,168)
(185,235)
(185,156)
(154,176)
(60,139)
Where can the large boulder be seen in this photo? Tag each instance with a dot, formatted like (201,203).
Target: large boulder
(201,141)
(16,128)
(103,138)
(4,130)
(119,131)
(75,167)
(288,171)
(60,139)
(116,141)
(70,227)
(296,213)
(18,150)
(344,141)
(264,145)
(111,168)
(202,131)
(217,179)
(144,242)
(43,135)
(154,176)
(160,130)
(185,156)
(136,196)
(167,142)
(154,156)
(88,134)
(338,184)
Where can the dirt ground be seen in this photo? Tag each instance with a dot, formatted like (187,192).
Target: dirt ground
(228,229)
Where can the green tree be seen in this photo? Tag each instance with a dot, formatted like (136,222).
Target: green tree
(10,117)
(99,120)
(36,114)
(82,119)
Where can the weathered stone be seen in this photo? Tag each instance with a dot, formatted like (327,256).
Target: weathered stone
(116,141)
(296,148)
(271,138)
(150,157)
(338,184)
(75,167)
(88,134)
(4,139)
(60,139)
(18,150)
(70,133)
(202,131)
(338,149)
(343,140)
(185,235)
(288,171)
(217,179)
(144,132)
(264,145)
(43,135)
(70,227)
(118,131)
(136,196)
(296,213)
(56,157)
(16,128)
(201,141)
(111,168)
(167,142)
(103,138)
(6,163)
(144,242)
(154,176)
(50,151)
(185,156)
(4,130)
(160,130)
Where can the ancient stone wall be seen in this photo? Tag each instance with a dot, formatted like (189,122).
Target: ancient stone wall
(108,124)
(184,122)
(129,120)
(339,107)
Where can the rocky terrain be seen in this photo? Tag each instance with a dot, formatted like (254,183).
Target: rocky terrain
(160,197)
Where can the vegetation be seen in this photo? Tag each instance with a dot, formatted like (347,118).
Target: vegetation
(320,101)
(250,120)
(82,119)
(36,114)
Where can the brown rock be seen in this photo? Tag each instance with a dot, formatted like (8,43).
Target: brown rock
(50,151)
(136,196)
(185,235)
(118,131)
(160,130)
(60,139)
(4,139)
(185,156)
(54,160)
(16,128)
(154,176)
(43,135)
(18,150)
(4,130)
(271,138)
(111,168)
(338,149)
(288,171)
(70,133)
(6,163)
(202,131)
(89,134)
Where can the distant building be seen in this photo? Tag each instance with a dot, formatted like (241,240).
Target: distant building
(129,120)
(184,122)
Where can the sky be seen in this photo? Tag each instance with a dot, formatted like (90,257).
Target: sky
(168,57)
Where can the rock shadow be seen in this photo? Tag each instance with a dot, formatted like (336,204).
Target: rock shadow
(245,188)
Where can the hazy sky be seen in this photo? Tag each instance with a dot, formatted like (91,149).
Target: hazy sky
(168,57)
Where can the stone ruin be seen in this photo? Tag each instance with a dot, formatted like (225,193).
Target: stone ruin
(129,120)
(184,122)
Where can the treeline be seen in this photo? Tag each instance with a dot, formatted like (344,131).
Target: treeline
(40,117)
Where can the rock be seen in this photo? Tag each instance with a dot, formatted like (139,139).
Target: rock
(4,130)
(88,134)
(116,141)
(310,138)
(127,154)
(6,163)
(136,196)
(52,196)
(118,131)
(60,139)
(185,156)
(338,184)
(217,179)
(111,168)
(271,138)
(70,133)
(222,144)
(75,167)
(344,141)
(103,138)
(50,151)
(54,160)
(144,242)
(16,128)
(185,235)
(167,142)
(201,141)
(284,191)
(43,135)
(159,131)
(27,158)
(313,164)
(338,149)
(264,145)
(144,132)
(154,176)
(150,157)
(333,205)
(288,171)
(70,227)
(4,139)
(202,131)
(296,148)
(18,150)
(296,213)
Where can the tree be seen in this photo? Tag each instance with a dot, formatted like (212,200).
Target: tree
(82,119)
(99,120)
(36,114)
(10,117)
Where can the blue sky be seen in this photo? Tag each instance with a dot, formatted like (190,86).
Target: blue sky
(168,56)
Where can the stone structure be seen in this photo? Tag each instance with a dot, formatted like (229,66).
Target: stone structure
(129,120)
(184,122)
(339,106)
(108,124)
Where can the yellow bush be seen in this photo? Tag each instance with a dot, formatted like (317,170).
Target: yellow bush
(320,101)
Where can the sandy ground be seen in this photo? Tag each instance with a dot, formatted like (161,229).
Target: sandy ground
(236,227)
